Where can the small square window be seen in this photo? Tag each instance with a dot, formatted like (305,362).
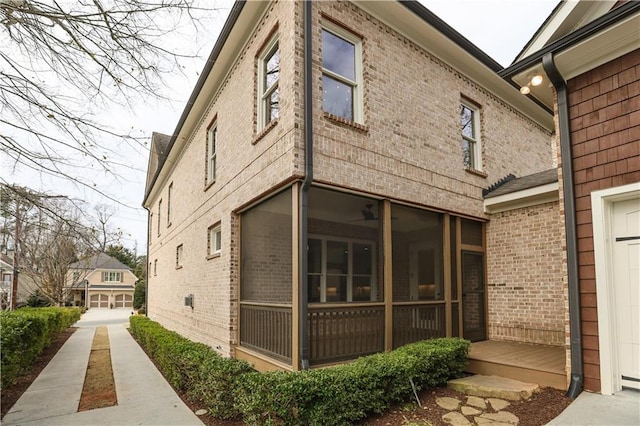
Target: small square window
(214,240)
(268,89)
(212,139)
(470,126)
(342,73)
(179,254)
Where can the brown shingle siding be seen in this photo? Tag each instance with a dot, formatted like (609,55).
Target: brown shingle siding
(604,107)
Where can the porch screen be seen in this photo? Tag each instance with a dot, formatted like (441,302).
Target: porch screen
(418,271)
(266,277)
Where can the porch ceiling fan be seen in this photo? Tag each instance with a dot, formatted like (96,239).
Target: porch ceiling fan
(368,214)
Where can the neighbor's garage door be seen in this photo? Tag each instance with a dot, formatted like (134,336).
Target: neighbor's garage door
(124,301)
(99,301)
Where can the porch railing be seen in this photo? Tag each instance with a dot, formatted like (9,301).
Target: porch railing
(414,322)
(340,332)
(266,328)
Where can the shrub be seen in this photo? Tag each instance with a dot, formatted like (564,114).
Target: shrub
(347,393)
(26,332)
(191,367)
(336,395)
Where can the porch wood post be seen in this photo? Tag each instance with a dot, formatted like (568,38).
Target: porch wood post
(387,275)
(295,263)
(446,247)
(459,276)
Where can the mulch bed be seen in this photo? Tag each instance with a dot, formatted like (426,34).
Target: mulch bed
(540,409)
(10,394)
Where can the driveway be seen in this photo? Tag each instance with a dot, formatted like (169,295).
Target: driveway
(103,316)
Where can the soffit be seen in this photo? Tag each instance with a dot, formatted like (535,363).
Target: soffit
(610,43)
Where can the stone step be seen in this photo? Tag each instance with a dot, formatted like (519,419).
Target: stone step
(494,387)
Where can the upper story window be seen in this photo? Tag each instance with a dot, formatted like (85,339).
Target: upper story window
(159,215)
(169,204)
(212,138)
(214,240)
(112,276)
(268,79)
(155,267)
(470,124)
(342,73)
(150,226)
(179,256)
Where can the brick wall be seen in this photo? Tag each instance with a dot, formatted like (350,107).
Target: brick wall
(410,150)
(525,276)
(604,109)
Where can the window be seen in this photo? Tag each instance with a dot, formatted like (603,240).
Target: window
(76,276)
(179,259)
(150,226)
(214,240)
(341,73)
(111,276)
(212,136)
(159,215)
(470,124)
(268,91)
(155,267)
(341,270)
(169,204)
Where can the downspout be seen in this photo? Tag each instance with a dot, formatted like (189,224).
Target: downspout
(304,190)
(577,376)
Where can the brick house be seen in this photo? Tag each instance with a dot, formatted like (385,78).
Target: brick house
(588,55)
(321,197)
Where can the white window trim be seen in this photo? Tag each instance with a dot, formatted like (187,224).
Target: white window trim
(214,235)
(106,277)
(323,272)
(602,212)
(477,142)
(212,155)
(358,97)
(263,93)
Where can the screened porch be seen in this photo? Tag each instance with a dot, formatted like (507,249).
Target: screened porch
(380,275)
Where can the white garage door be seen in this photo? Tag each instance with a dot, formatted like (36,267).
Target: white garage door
(99,301)
(626,261)
(124,301)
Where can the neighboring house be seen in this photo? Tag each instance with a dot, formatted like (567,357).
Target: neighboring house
(588,55)
(101,281)
(321,197)
(6,275)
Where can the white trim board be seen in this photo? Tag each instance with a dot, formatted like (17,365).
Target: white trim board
(602,210)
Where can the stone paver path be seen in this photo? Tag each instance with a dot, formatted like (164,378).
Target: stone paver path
(473,410)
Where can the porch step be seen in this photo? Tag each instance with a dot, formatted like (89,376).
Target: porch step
(494,387)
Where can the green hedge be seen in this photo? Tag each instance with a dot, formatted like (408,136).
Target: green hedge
(26,332)
(191,367)
(347,393)
(337,395)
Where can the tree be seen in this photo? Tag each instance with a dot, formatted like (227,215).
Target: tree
(63,63)
(139,294)
(48,233)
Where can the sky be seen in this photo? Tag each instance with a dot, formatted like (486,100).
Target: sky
(500,28)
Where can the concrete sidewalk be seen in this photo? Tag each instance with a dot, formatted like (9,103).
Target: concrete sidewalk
(144,396)
(623,408)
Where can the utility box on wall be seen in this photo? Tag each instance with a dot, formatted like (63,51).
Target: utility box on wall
(188,301)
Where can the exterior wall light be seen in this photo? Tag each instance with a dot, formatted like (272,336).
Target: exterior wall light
(536,80)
